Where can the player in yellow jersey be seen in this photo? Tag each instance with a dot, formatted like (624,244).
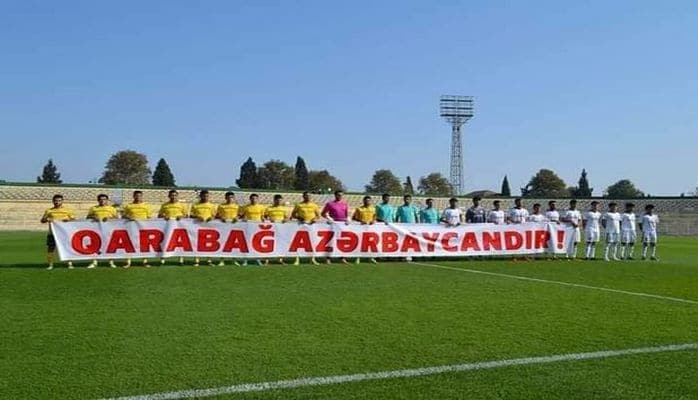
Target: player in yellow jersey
(172,209)
(102,212)
(58,212)
(278,214)
(228,212)
(306,212)
(203,211)
(366,215)
(252,212)
(136,211)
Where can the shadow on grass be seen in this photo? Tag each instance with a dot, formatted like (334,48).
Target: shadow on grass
(57,265)
(23,265)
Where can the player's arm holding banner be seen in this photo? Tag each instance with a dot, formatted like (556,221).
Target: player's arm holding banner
(294,214)
(203,211)
(307,212)
(137,210)
(58,212)
(228,212)
(325,213)
(171,209)
(316,214)
(252,212)
(366,215)
(102,212)
(277,214)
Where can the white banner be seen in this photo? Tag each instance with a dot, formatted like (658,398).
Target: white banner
(86,240)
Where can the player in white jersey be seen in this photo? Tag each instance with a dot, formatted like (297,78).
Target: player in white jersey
(452,216)
(535,215)
(518,214)
(627,231)
(648,224)
(611,224)
(573,218)
(496,216)
(552,215)
(592,229)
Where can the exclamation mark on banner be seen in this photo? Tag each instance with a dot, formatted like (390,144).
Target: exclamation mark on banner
(560,238)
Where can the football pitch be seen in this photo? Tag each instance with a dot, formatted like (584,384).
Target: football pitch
(432,329)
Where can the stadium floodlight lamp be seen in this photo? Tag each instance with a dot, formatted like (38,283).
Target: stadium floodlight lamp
(456,110)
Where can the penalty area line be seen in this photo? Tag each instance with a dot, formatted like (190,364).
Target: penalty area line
(402,373)
(578,285)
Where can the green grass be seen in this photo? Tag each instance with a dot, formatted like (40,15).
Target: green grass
(95,333)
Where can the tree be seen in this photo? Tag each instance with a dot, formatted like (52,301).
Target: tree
(248,175)
(623,189)
(49,174)
(320,181)
(407,186)
(545,183)
(384,181)
(582,190)
(163,175)
(435,184)
(301,181)
(275,175)
(506,190)
(126,167)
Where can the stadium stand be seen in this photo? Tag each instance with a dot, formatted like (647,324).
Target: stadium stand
(21,206)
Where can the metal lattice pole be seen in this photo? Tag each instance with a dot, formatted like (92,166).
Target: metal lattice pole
(456,173)
(456,110)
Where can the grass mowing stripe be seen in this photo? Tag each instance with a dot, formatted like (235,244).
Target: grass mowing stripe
(579,285)
(403,373)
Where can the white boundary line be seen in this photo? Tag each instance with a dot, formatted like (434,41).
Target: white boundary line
(402,373)
(525,278)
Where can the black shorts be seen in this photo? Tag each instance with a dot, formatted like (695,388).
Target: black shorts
(50,242)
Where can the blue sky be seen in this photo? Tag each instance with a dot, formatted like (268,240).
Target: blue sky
(353,87)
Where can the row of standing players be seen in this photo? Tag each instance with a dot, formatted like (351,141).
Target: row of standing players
(619,228)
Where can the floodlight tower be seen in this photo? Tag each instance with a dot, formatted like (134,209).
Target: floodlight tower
(456,110)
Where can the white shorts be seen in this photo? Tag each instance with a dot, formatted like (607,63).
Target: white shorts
(592,236)
(649,237)
(612,237)
(577,235)
(628,237)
